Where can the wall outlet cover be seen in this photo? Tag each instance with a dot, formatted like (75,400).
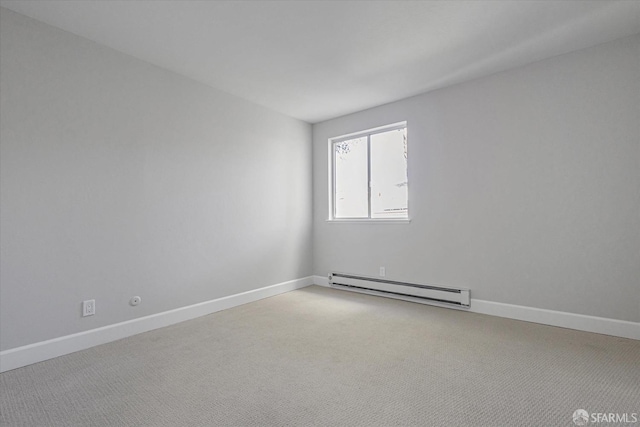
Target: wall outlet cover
(88,308)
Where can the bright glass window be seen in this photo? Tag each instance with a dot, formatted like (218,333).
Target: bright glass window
(369,174)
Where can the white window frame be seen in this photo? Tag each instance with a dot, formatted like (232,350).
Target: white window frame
(332,181)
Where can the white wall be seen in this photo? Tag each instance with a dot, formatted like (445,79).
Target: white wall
(119,178)
(523,186)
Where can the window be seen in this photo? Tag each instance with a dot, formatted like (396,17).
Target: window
(369,174)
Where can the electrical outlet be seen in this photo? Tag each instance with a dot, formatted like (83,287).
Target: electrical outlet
(383,271)
(88,307)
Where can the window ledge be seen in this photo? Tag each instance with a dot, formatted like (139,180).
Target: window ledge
(371,221)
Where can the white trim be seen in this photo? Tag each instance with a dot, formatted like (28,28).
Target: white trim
(580,322)
(372,221)
(321,281)
(372,131)
(40,351)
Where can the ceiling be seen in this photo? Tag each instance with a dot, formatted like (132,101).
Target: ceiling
(315,60)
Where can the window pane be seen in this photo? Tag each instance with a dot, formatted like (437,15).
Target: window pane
(389,174)
(352,190)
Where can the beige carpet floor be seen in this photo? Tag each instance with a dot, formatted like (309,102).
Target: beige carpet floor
(324,357)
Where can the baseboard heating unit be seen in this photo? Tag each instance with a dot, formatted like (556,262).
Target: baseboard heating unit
(426,294)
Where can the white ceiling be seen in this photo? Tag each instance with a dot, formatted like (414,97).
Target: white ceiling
(316,60)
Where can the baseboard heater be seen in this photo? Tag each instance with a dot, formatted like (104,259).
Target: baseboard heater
(426,294)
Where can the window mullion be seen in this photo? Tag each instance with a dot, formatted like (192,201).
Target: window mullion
(369,174)
(333,179)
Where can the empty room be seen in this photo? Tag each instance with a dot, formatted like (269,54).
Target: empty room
(319,213)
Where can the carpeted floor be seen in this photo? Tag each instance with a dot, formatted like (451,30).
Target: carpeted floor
(324,357)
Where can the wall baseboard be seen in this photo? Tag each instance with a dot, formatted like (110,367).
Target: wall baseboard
(321,281)
(38,352)
(44,350)
(580,322)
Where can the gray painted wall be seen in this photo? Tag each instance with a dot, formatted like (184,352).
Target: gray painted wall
(119,178)
(523,186)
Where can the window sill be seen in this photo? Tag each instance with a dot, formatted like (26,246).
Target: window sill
(370,221)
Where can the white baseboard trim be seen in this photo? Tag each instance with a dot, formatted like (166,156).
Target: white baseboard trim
(580,322)
(38,352)
(321,281)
